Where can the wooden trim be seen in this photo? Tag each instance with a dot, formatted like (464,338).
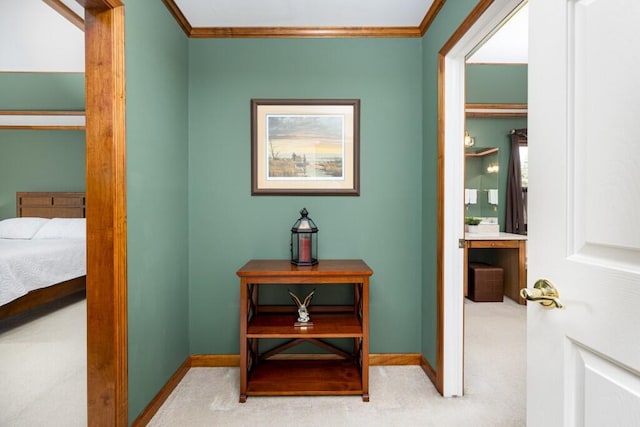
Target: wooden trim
(178,16)
(439,380)
(430,16)
(496,110)
(66,12)
(214,360)
(107,402)
(480,8)
(100,5)
(303,32)
(397,359)
(471,19)
(156,403)
(496,115)
(428,369)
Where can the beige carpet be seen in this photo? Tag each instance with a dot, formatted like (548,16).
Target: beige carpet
(43,367)
(400,395)
(43,382)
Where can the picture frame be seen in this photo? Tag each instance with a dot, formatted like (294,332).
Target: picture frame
(305,147)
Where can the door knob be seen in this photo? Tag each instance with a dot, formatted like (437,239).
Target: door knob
(543,292)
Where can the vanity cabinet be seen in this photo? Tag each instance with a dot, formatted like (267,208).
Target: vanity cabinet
(510,253)
(272,372)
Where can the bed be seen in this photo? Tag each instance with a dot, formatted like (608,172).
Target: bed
(42,250)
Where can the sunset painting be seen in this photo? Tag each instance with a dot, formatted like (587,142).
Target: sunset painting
(305,147)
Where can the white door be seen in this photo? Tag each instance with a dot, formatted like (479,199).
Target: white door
(583,361)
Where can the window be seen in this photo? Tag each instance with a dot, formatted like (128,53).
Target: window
(524,165)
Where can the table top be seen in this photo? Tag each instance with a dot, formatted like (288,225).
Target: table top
(257,267)
(501,236)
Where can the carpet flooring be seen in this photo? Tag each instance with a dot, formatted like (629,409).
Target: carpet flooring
(43,368)
(399,395)
(43,375)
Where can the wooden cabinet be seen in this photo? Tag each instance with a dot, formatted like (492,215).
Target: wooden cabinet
(509,251)
(336,372)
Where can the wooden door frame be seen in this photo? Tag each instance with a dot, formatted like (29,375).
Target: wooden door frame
(107,381)
(451,124)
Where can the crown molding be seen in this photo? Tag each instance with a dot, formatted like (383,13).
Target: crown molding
(430,16)
(178,16)
(303,32)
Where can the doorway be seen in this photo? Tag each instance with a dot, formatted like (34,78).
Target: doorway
(479,25)
(495,123)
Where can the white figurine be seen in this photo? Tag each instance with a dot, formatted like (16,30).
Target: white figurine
(303,312)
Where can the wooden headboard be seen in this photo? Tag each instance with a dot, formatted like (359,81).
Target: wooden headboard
(51,204)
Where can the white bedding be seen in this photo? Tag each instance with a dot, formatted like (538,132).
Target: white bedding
(28,264)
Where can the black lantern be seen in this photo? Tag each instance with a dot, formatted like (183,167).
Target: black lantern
(304,241)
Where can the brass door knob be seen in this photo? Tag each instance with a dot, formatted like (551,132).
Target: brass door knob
(543,292)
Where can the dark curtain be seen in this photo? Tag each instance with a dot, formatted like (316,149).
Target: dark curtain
(516,222)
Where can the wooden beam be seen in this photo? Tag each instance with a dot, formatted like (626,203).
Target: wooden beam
(106,214)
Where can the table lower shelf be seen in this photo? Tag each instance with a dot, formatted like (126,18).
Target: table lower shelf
(305,377)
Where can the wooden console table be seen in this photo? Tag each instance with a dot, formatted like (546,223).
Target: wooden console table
(510,254)
(271,373)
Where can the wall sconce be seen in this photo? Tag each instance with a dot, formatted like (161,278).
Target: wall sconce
(304,241)
(469,141)
(493,168)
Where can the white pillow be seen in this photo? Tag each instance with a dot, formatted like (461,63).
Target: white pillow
(63,228)
(21,228)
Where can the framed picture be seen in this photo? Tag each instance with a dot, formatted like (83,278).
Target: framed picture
(305,147)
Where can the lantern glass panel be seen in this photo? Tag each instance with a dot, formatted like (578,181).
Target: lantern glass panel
(304,241)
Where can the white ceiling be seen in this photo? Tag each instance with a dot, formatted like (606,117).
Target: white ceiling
(36,38)
(304,13)
(509,44)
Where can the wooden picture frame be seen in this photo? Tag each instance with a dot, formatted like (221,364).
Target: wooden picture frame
(305,147)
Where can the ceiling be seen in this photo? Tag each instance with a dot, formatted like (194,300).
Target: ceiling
(304,13)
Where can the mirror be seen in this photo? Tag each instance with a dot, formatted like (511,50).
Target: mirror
(481,182)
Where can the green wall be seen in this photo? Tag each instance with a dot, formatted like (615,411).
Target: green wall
(157,193)
(496,83)
(42,91)
(228,226)
(448,19)
(39,160)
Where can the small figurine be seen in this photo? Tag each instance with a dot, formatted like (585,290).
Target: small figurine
(303,312)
